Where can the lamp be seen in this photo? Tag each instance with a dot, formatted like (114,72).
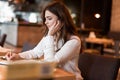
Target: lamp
(92,34)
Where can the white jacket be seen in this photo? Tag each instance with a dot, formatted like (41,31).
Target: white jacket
(65,54)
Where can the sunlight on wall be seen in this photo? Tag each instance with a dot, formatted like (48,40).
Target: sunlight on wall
(6,12)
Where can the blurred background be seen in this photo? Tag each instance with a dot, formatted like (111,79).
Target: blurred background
(100,16)
(97,22)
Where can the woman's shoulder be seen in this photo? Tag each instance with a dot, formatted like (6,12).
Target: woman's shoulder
(74,37)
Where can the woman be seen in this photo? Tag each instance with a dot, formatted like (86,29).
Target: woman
(60,42)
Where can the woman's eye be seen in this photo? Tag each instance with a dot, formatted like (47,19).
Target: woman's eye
(49,18)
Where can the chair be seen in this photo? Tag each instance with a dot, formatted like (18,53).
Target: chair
(89,48)
(3,39)
(98,67)
(113,49)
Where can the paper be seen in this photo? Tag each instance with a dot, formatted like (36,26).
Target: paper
(5,62)
(4,50)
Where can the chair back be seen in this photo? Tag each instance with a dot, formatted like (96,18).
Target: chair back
(117,47)
(27,46)
(3,39)
(98,67)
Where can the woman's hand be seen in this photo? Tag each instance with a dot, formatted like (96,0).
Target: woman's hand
(12,56)
(54,28)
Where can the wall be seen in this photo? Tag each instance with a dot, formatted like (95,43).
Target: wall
(17,34)
(115,18)
(11,30)
(29,33)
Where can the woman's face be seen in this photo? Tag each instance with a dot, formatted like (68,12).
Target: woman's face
(50,18)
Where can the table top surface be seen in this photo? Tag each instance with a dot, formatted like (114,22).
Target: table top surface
(99,40)
(58,74)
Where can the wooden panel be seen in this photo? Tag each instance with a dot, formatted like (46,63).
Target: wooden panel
(115,17)
(32,34)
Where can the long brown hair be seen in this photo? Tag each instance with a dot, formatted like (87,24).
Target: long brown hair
(61,11)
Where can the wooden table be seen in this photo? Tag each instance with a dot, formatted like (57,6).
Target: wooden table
(104,41)
(63,75)
(100,41)
(58,74)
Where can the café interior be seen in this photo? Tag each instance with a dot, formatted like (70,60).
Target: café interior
(97,23)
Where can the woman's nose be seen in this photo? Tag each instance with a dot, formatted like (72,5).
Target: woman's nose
(45,22)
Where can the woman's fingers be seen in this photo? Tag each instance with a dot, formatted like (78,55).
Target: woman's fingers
(58,26)
(55,28)
(51,29)
(10,55)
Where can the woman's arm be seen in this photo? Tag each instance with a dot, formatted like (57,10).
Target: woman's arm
(70,49)
(36,52)
(49,49)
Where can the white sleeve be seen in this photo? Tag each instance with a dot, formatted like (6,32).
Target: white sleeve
(70,49)
(37,52)
(49,49)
